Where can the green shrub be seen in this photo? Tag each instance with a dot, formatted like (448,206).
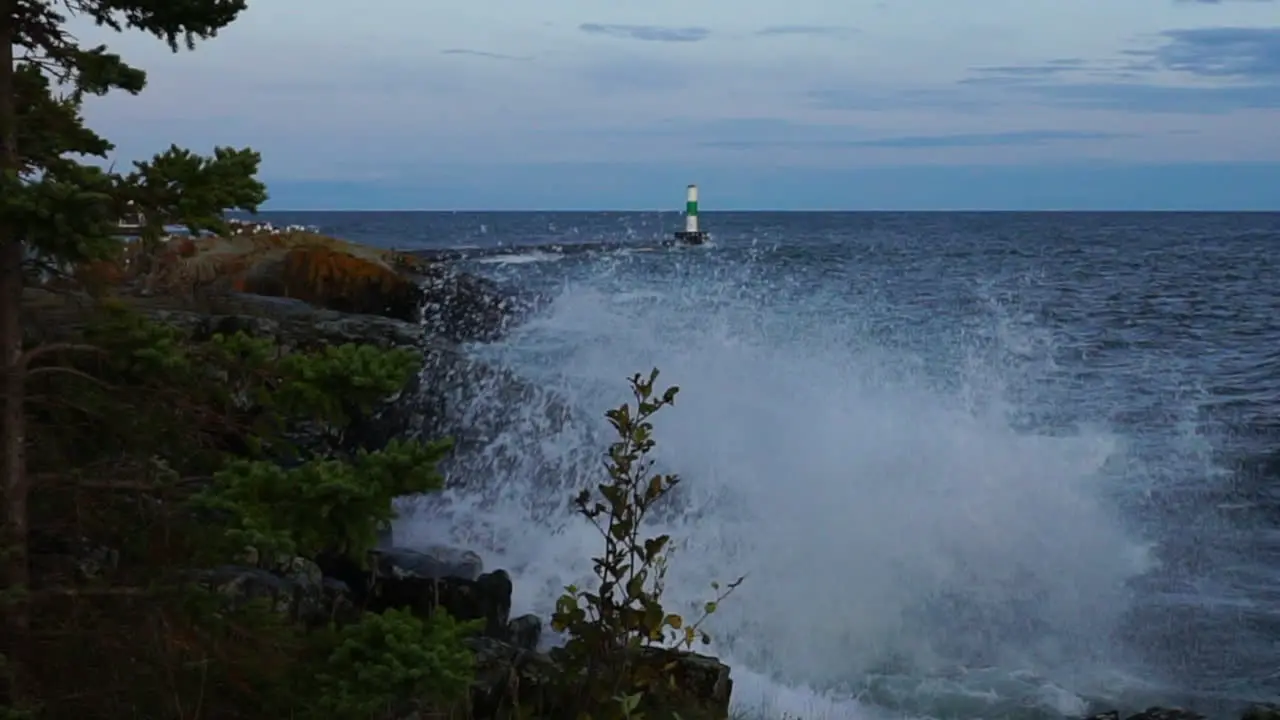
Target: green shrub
(321,504)
(178,454)
(389,663)
(609,624)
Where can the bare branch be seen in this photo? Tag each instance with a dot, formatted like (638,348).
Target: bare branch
(35,353)
(140,485)
(48,369)
(91,592)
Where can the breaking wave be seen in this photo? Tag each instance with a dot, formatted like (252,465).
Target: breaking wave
(910,544)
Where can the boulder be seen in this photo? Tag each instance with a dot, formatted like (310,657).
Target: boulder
(525,632)
(439,577)
(433,563)
(422,580)
(465,308)
(321,271)
(691,686)
(511,682)
(337,280)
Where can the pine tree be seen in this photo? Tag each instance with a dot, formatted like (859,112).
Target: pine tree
(59,210)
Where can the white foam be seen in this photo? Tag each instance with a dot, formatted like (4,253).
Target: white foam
(857,496)
(520,258)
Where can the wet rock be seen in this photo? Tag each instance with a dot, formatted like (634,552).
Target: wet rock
(422,580)
(694,685)
(525,631)
(486,598)
(437,562)
(465,308)
(482,406)
(690,686)
(508,678)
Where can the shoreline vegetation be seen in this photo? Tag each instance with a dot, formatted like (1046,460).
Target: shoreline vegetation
(203,436)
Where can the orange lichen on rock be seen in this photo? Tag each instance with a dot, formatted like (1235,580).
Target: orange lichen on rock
(321,270)
(342,281)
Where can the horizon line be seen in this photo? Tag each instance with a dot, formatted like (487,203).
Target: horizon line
(1047,211)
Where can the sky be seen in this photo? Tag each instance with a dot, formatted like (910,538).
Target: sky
(766,104)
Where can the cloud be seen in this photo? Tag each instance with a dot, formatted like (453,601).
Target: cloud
(910,142)
(481,53)
(834,31)
(1021,74)
(648,33)
(1221,52)
(568,83)
(1139,97)
(1223,69)
(759,133)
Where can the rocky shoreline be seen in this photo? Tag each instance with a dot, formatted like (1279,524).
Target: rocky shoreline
(305,291)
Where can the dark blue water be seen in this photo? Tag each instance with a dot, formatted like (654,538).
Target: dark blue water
(976,465)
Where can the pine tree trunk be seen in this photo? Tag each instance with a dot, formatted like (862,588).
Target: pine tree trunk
(13,542)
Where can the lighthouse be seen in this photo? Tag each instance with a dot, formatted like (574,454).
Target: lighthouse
(691,234)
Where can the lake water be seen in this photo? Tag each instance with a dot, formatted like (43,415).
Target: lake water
(973,465)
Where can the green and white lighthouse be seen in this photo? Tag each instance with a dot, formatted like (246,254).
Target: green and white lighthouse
(691,234)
